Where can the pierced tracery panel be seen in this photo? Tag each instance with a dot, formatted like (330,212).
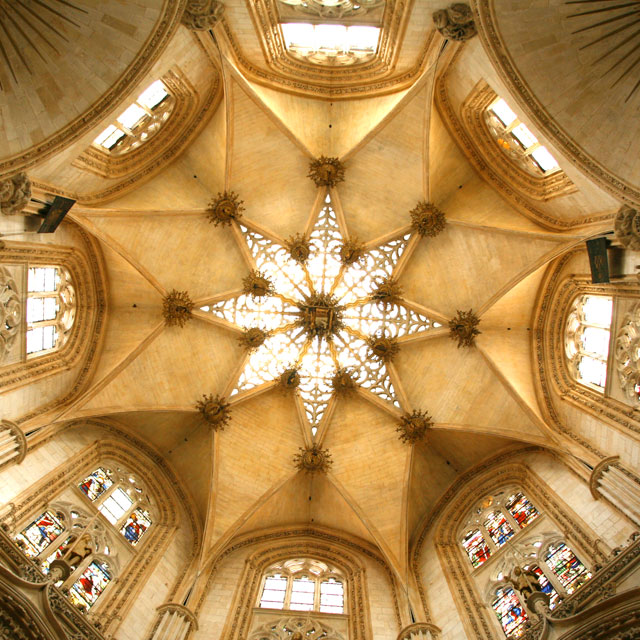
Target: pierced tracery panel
(395,320)
(285,628)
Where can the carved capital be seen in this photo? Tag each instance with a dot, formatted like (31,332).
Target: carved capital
(627,227)
(200,15)
(15,193)
(455,22)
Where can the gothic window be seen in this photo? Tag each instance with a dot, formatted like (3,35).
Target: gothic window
(138,122)
(587,337)
(517,141)
(494,521)
(39,534)
(303,585)
(90,585)
(510,612)
(120,500)
(331,44)
(546,586)
(571,573)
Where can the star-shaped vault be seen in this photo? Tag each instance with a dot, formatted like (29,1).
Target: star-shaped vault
(339,335)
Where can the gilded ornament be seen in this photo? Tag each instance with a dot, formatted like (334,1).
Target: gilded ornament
(289,380)
(201,15)
(176,308)
(412,427)
(427,219)
(387,291)
(320,315)
(15,193)
(298,247)
(463,328)
(343,383)
(326,172)
(351,251)
(215,411)
(384,348)
(455,22)
(313,459)
(225,208)
(256,284)
(253,338)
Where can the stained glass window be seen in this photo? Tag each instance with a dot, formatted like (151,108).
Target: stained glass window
(302,594)
(87,589)
(291,314)
(96,483)
(331,596)
(498,528)
(135,526)
(546,587)
(564,564)
(521,509)
(115,506)
(476,547)
(58,553)
(37,536)
(273,594)
(510,612)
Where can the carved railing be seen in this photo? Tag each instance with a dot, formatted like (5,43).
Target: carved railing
(420,631)
(174,622)
(618,485)
(13,444)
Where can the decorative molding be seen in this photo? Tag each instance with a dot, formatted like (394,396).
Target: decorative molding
(286,73)
(455,22)
(215,411)
(467,130)
(596,475)
(464,328)
(155,44)
(201,15)
(505,66)
(14,451)
(313,459)
(334,8)
(420,631)
(427,220)
(87,273)
(15,193)
(326,172)
(177,308)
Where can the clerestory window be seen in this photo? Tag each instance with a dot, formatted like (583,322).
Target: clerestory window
(138,122)
(517,140)
(587,337)
(303,585)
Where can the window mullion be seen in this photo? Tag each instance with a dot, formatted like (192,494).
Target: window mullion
(553,579)
(287,597)
(511,520)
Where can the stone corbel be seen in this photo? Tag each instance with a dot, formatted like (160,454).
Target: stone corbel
(15,193)
(618,485)
(13,444)
(455,22)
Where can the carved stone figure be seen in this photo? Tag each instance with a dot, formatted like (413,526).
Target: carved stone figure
(10,312)
(201,15)
(455,22)
(15,193)
(627,228)
(525,581)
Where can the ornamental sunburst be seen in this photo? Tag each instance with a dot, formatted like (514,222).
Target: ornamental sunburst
(321,315)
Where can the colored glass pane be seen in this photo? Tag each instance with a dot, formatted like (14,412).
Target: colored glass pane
(97,483)
(521,509)
(547,587)
(570,571)
(135,526)
(331,596)
(275,588)
(302,594)
(498,527)
(510,612)
(87,589)
(37,536)
(476,547)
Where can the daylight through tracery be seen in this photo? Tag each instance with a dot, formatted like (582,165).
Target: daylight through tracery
(322,315)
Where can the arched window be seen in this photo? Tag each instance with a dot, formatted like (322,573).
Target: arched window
(510,612)
(107,518)
(303,585)
(493,522)
(139,122)
(516,140)
(571,573)
(587,337)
